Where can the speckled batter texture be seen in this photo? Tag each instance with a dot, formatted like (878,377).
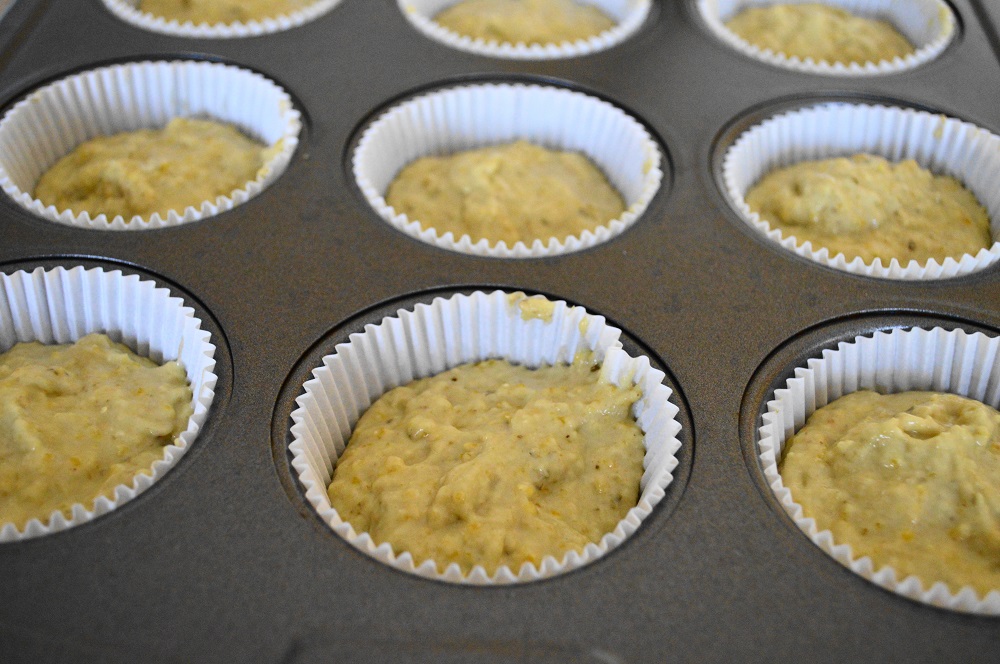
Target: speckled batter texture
(910,479)
(77,420)
(184,164)
(513,192)
(525,21)
(869,207)
(221,11)
(493,464)
(823,33)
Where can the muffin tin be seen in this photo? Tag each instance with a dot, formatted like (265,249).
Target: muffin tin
(223,559)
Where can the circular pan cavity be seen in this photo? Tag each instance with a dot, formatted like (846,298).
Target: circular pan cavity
(128,11)
(929,25)
(887,352)
(424,334)
(629,16)
(814,130)
(55,118)
(58,301)
(465,117)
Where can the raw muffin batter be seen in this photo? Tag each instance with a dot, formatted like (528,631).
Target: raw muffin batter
(910,479)
(512,192)
(525,21)
(493,464)
(77,420)
(153,170)
(820,32)
(869,207)
(221,11)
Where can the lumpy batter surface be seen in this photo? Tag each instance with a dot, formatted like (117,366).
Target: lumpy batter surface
(820,32)
(153,170)
(910,479)
(221,11)
(525,21)
(77,420)
(493,464)
(513,192)
(869,207)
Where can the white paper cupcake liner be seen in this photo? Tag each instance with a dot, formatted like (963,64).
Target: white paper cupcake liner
(896,361)
(127,10)
(445,333)
(928,24)
(629,16)
(945,146)
(51,121)
(60,306)
(476,116)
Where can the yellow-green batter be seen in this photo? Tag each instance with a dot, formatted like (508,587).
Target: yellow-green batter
(910,479)
(513,192)
(869,207)
(77,420)
(493,464)
(525,21)
(221,11)
(820,32)
(153,170)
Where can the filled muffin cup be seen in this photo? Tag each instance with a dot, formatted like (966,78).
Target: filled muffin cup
(928,24)
(899,360)
(942,145)
(54,119)
(60,306)
(629,15)
(129,11)
(469,117)
(443,334)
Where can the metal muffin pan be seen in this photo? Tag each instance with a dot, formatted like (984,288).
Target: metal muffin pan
(222,560)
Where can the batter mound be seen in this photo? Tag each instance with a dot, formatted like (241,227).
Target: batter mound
(221,11)
(525,21)
(493,464)
(153,170)
(910,479)
(514,192)
(77,420)
(825,34)
(869,207)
